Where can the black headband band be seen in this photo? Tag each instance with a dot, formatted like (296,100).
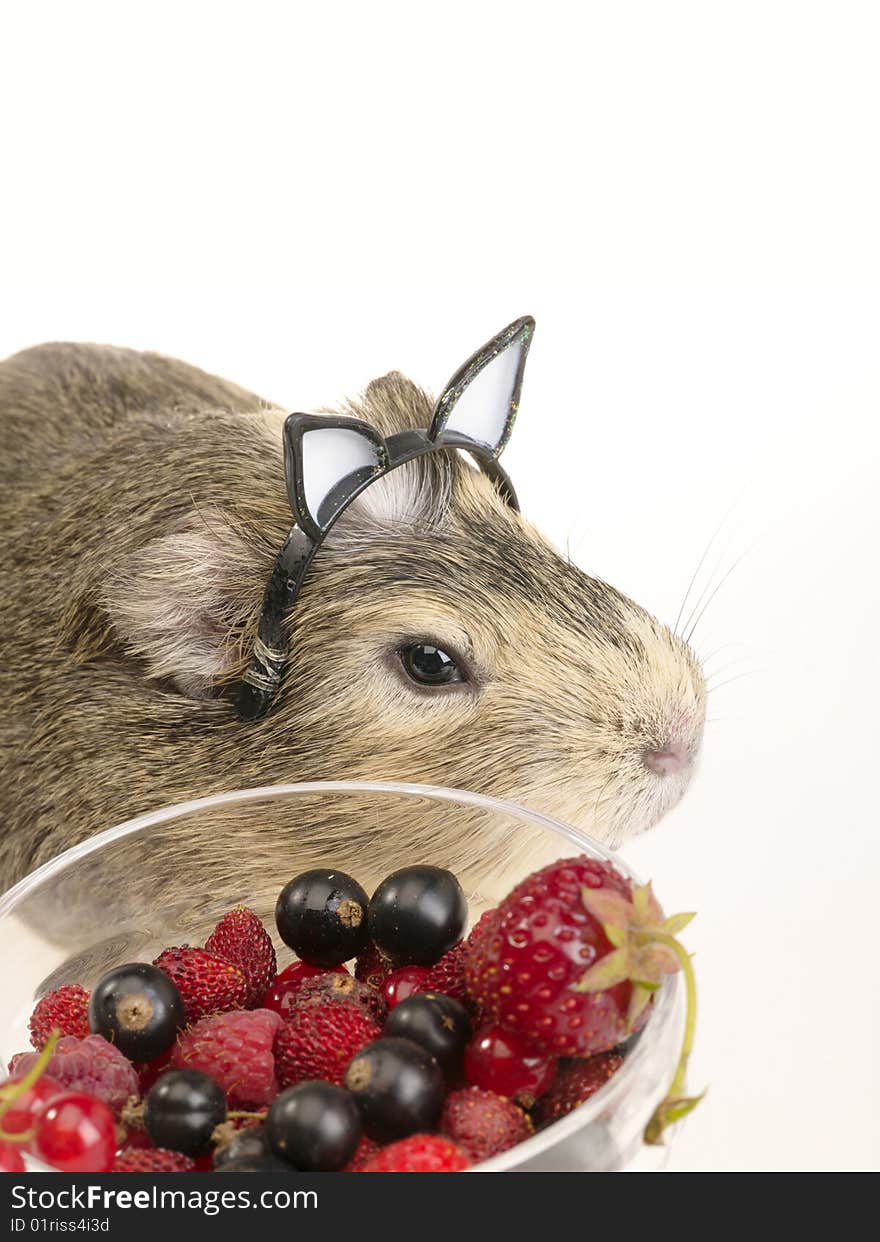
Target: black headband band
(328,461)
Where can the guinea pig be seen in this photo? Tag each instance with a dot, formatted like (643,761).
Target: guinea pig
(438,637)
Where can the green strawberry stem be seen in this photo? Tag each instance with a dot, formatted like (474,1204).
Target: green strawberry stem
(675,1105)
(12,1091)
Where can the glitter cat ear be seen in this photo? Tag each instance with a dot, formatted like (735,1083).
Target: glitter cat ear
(479,403)
(327,462)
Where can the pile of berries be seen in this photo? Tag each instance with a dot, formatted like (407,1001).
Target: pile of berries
(436,1053)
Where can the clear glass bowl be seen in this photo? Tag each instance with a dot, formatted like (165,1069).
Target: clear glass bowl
(165,878)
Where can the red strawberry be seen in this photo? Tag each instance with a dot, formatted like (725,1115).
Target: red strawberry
(237,1050)
(320,1040)
(366,1150)
(575,1083)
(372,966)
(483,1123)
(66,1009)
(524,968)
(152,1160)
(447,975)
(207,983)
(89,1066)
(420,1153)
(345,989)
(241,938)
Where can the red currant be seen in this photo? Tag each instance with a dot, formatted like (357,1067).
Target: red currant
(501,1061)
(10,1158)
(23,1113)
(76,1134)
(280,996)
(403,983)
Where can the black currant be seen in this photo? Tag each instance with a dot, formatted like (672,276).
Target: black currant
(137,1008)
(249,1144)
(322,916)
(315,1126)
(182,1110)
(438,1023)
(398,1088)
(417,914)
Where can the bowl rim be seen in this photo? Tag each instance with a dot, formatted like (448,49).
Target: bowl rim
(666,1002)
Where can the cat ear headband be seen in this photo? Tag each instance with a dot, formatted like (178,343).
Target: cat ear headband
(328,461)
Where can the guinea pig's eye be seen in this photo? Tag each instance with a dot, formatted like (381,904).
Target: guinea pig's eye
(429,666)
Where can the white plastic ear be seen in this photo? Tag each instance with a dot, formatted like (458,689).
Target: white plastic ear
(480,401)
(329,455)
(482,410)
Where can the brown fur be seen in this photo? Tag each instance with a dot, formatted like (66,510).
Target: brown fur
(141,508)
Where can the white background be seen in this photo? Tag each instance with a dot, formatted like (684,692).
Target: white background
(686,196)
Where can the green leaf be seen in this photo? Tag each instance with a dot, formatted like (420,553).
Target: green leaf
(652,961)
(607,907)
(610,970)
(640,997)
(649,912)
(678,922)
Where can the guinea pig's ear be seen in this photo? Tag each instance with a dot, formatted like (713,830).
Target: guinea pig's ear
(328,460)
(480,401)
(176,602)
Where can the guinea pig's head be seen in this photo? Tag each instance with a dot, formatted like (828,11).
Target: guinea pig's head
(439,638)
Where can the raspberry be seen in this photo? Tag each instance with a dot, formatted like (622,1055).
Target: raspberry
(235,1049)
(372,966)
(542,939)
(575,1083)
(483,1123)
(242,939)
(447,975)
(320,1040)
(66,1009)
(343,989)
(420,1153)
(91,1065)
(152,1160)
(206,983)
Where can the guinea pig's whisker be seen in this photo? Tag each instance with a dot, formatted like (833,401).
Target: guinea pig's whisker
(692,624)
(700,565)
(750,672)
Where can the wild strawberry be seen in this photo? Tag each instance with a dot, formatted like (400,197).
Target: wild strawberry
(152,1160)
(281,992)
(575,1083)
(345,989)
(447,975)
(91,1065)
(482,1123)
(242,939)
(207,983)
(366,1150)
(320,1040)
(420,1153)
(66,1010)
(235,1049)
(372,966)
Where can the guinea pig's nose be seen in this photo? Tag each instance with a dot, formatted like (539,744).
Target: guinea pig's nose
(668,761)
